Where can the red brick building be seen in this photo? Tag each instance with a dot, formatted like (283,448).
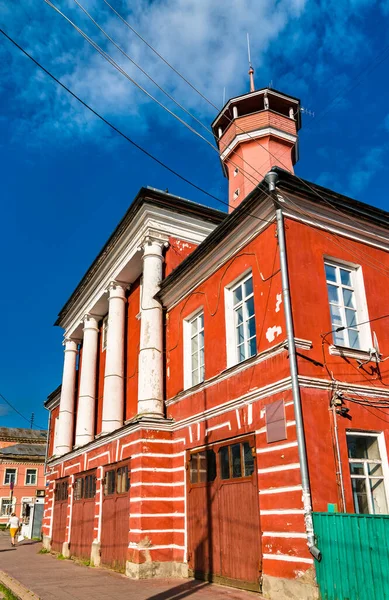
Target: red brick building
(22,477)
(222,374)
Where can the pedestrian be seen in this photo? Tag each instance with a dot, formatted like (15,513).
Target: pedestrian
(13,525)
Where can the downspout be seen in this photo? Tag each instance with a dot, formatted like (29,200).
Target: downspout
(271,178)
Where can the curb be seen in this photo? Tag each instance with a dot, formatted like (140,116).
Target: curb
(21,592)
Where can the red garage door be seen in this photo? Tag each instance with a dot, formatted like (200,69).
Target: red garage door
(223,514)
(83,515)
(116,516)
(61,495)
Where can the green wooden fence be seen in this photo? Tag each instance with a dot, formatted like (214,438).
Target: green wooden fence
(355,556)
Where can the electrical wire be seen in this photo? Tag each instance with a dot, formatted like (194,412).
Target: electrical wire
(119,132)
(19,413)
(113,63)
(368,69)
(109,59)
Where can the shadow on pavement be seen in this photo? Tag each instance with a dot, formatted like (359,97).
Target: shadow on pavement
(181,591)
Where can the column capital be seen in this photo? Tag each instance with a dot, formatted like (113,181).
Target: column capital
(70,343)
(90,321)
(117,289)
(153,245)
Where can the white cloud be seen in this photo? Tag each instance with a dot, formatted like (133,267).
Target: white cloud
(295,41)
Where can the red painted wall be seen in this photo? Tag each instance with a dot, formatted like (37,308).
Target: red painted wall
(175,254)
(132,350)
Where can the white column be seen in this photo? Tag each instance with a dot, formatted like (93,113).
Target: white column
(113,399)
(150,382)
(85,424)
(66,406)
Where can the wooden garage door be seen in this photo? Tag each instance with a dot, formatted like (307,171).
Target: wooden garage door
(116,516)
(83,516)
(223,514)
(61,495)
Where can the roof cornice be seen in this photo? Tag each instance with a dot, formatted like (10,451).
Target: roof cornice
(153,210)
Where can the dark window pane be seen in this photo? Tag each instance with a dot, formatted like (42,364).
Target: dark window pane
(237,295)
(363,446)
(211,465)
(109,487)
(248,460)
(330,273)
(236,461)
(250,306)
(333,293)
(360,496)
(193,468)
(248,287)
(251,327)
(356,469)
(253,346)
(202,467)
(345,277)
(224,463)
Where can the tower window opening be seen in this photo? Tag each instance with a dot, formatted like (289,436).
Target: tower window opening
(236,171)
(236,193)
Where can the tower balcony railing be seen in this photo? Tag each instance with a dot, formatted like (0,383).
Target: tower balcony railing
(254,121)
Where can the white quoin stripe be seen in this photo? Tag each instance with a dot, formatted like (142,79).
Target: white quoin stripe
(277,447)
(190,434)
(288,558)
(238,418)
(157,455)
(156,515)
(100,456)
(287,467)
(135,545)
(158,469)
(281,490)
(143,483)
(221,426)
(286,511)
(284,534)
(142,499)
(249,414)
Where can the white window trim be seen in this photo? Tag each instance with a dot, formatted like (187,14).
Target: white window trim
(36,477)
(16,475)
(13,505)
(232,358)
(361,305)
(104,328)
(383,454)
(187,347)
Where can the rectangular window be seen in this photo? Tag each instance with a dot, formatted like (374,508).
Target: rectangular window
(10,476)
(347,306)
(104,333)
(31,477)
(240,321)
(236,461)
(5,507)
(367,473)
(194,362)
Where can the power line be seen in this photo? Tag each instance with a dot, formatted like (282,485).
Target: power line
(112,62)
(119,132)
(381,55)
(19,413)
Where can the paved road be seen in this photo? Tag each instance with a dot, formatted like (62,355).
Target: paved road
(53,579)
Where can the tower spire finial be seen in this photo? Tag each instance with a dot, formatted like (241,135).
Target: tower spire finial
(251,70)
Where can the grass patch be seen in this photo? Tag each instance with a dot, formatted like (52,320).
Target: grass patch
(43,551)
(8,595)
(62,557)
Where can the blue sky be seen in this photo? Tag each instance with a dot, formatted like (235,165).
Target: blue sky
(66,179)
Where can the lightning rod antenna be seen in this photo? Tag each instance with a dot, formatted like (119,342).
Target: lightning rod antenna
(251,70)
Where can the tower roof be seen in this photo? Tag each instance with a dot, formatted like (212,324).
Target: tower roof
(248,103)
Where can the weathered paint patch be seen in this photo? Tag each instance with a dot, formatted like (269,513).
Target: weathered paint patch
(278,302)
(273,332)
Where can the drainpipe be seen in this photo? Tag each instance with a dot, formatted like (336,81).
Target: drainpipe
(271,178)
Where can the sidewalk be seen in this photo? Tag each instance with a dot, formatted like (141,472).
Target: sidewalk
(53,579)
